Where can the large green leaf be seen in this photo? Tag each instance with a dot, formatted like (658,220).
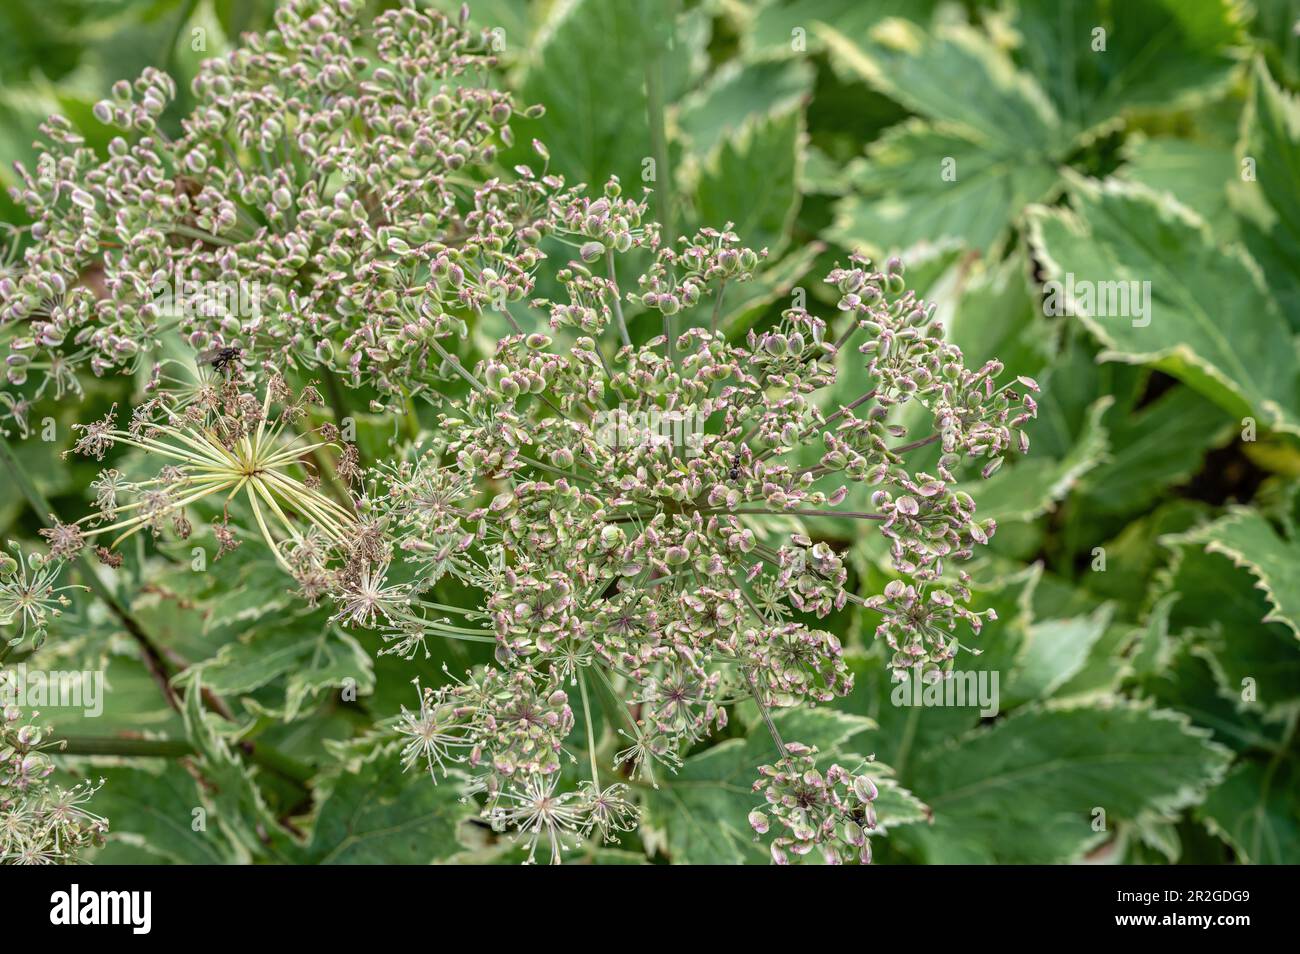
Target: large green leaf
(372,812)
(311,655)
(230,795)
(155,810)
(788,27)
(1196,173)
(737,93)
(986,155)
(1255,659)
(1206,317)
(921,183)
(1250,542)
(1098,58)
(1186,680)
(1162,443)
(1256,810)
(589,71)
(1271,203)
(752,181)
(1025,790)
(998,105)
(1054,651)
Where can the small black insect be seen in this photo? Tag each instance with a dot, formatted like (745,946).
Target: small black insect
(734,473)
(221,358)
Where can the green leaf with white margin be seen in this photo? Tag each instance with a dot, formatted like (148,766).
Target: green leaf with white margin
(1246,538)
(371,812)
(783,28)
(243,585)
(1188,680)
(1032,486)
(1256,810)
(1054,651)
(752,181)
(1270,205)
(1151,443)
(1157,54)
(334,661)
(920,182)
(1024,790)
(1257,662)
(154,810)
(739,92)
(589,68)
(702,811)
(998,106)
(1160,444)
(231,797)
(980,160)
(1208,319)
(1195,173)
(312,653)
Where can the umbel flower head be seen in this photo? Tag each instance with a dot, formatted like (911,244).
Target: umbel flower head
(830,810)
(30,596)
(662,566)
(226,445)
(216,236)
(630,488)
(40,822)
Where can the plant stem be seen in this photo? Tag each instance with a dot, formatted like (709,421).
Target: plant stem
(165,748)
(153,660)
(591,730)
(654,90)
(618,300)
(110,745)
(654,94)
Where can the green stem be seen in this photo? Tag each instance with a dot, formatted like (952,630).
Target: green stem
(165,748)
(654,92)
(717,309)
(618,302)
(753,686)
(109,745)
(44,513)
(169,54)
(591,730)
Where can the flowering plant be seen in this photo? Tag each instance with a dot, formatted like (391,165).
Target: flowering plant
(643,521)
